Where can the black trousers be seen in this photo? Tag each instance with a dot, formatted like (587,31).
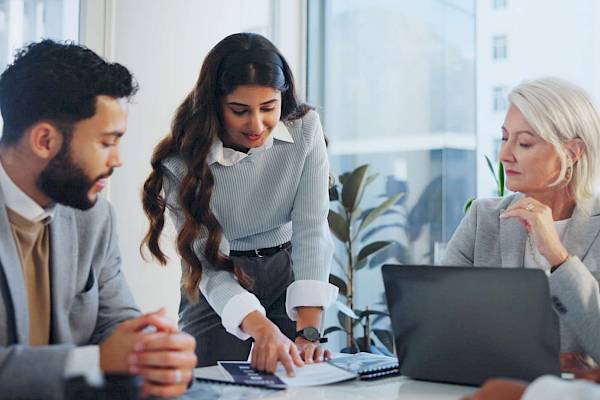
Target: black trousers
(272,275)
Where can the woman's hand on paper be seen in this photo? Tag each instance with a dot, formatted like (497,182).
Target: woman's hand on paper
(270,345)
(312,352)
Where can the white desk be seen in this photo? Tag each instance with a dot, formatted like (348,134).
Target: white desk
(399,388)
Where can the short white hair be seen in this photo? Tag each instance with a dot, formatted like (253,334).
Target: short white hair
(560,111)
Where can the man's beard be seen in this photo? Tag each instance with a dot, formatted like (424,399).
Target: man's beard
(66,183)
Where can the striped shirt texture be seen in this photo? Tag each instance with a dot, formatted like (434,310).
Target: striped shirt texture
(274,195)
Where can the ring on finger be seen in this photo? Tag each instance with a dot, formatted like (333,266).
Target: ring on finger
(530,207)
(178,376)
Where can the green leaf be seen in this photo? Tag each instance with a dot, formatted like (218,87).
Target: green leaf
(489,164)
(468,204)
(371,248)
(332,329)
(356,213)
(340,283)
(370,179)
(360,265)
(500,179)
(357,321)
(383,207)
(343,319)
(354,187)
(338,225)
(386,337)
(344,309)
(343,178)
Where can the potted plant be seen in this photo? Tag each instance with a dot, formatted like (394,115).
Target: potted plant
(347,222)
(498,177)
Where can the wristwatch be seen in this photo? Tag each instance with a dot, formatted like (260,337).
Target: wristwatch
(311,334)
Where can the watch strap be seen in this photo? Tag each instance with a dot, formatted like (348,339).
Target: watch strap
(301,333)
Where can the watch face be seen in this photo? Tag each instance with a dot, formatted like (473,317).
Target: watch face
(311,334)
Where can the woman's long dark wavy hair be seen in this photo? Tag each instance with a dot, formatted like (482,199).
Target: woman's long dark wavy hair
(239,59)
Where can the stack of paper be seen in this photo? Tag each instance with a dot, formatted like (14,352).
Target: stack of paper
(308,375)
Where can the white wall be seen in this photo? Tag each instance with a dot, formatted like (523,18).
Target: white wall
(163,42)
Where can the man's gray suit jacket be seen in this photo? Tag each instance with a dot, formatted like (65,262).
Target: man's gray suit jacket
(89,298)
(484,240)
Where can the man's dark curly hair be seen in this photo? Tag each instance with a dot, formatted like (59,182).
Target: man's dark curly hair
(58,83)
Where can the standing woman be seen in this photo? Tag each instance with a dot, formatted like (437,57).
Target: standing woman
(550,148)
(244,174)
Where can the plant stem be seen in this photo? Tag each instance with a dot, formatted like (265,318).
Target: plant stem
(350,286)
(367,331)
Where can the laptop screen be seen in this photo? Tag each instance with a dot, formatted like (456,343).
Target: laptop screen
(465,324)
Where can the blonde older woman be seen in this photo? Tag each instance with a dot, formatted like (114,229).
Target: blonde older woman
(550,145)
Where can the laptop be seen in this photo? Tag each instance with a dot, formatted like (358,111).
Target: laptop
(464,325)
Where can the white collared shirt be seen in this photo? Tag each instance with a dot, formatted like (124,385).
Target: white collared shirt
(300,292)
(228,157)
(19,202)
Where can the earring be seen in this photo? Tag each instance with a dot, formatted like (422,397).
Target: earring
(569,173)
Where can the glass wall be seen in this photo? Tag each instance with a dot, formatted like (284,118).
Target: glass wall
(394,83)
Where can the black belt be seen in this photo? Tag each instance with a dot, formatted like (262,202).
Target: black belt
(269,251)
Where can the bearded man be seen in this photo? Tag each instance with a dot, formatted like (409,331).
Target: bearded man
(65,308)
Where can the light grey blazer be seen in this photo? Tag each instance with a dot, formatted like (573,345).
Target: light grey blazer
(88,292)
(484,240)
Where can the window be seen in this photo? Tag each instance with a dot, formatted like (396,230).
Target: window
(499,47)
(392,103)
(500,101)
(547,49)
(499,4)
(394,82)
(24,21)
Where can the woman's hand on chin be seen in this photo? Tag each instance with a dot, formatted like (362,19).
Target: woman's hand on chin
(537,219)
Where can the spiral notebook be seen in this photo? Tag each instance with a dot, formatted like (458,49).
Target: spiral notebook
(367,365)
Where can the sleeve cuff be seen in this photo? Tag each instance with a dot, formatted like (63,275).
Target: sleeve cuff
(572,281)
(85,361)
(572,269)
(235,311)
(309,293)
